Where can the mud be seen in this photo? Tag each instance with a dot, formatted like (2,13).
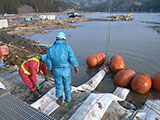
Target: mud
(115,112)
(156,27)
(20,49)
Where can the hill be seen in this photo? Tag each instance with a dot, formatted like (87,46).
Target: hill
(86,3)
(126,6)
(28,6)
(38,6)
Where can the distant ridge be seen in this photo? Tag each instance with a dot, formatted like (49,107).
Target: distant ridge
(126,6)
(86,3)
(38,6)
(28,6)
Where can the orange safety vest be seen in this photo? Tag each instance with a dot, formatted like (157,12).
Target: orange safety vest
(34,58)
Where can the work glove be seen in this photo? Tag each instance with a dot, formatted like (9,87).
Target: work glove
(46,78)
(37,86)
(76,69)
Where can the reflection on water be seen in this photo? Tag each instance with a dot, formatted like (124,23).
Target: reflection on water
(137,43)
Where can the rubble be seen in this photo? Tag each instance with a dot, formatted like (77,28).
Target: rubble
(22,28)
(20,49)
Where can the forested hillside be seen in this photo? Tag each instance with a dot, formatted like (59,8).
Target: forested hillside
(127,6)
(86,3)
(30,6)
(26,6)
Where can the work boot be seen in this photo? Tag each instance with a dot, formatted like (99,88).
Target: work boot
(60,101)
(67,101)
(37,94)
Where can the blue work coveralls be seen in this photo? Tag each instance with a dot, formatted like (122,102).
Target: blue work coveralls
(60,56)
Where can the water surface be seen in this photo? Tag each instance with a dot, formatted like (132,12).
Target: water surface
(135,41)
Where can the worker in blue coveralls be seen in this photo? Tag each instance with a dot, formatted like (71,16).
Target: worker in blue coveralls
(60,57)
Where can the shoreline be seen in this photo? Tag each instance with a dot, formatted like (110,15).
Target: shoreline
(21,48)
(22,28)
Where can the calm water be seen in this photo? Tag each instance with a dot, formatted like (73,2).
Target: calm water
(135,41)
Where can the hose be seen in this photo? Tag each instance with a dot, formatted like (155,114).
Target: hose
(36,89)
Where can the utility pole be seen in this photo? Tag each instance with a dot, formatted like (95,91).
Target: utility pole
(137,10)
(151,10)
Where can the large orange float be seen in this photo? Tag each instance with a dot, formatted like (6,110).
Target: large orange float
(156,81)
(116,63)
(123,77)
(141,83)
(3,51)
(96,59)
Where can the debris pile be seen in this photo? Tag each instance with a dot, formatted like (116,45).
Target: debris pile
(128,17)
(20,49)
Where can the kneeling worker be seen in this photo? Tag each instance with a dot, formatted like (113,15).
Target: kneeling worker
(28,71)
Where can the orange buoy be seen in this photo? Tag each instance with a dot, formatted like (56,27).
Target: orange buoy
(123,77)
(96,59)
(141,83)
(156,81)
(3,51)
(117,63)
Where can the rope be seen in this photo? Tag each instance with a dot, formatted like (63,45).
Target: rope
(152,108)
(108,38)
(92,106)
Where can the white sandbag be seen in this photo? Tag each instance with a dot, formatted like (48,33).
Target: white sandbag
(47,104)
(42,17)
(2,86)
(121,92)
(96,105)
(3,23)
(93,82)
(151,111)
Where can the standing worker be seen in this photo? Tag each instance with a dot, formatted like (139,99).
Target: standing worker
(60,56)
(28,71)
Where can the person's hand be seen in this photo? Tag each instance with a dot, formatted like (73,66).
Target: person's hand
(46,78)
(37,86)
(76,69)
